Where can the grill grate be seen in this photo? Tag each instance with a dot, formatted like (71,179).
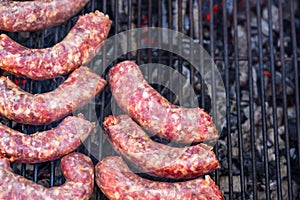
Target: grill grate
(256,48)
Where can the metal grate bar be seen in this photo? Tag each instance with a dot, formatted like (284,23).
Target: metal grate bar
(117,29)
(149,51)
(139,21)
(227,87)
(295,63)
(181,11)
(160,17)
(191,18)
(102,96)
(160,36)
(170,39)
(192,25)
(262,98)
(213,84)
(200,27)
(35,173)
(104,5)
(180,21)
(93,4)
(212,55)
(285,115)
(238,101)
(129,20)
(116,21)
(251,106)
(274,104)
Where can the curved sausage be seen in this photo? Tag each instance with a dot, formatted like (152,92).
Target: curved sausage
(153,112)
(116,181)
(77,168)
(47,145)
(78,48)
(40,109)
(38,14)
(130,141)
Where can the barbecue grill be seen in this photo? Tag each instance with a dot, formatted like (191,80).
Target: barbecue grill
(254,45)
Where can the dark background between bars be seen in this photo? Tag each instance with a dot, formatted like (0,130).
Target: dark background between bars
(255,45)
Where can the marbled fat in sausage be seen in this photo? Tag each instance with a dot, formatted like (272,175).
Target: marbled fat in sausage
(156,159)
(47,145)
(78,48)
(77,168)
(38,14)
(40,109)
(117,181)
(155,113)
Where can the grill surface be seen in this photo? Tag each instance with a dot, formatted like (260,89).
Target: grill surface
(258,59)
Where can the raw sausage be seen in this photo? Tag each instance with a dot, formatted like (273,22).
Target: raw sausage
(153,112)
(47,145)
(130,141)
(116,181)
(77,168)
(78,48)
(40,109)
(38,14)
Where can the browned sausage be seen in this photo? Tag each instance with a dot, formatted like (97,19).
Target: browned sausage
(77,48)
(77,168)
(154,158)
(47,145)
(116,181)
(39,109)
(38,14)
(153,112)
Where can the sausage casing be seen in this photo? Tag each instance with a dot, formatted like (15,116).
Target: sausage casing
(40,109)
(154,158)
(77,168)
(153,112)
(47,145)
(38,14)
(117,181)
(78,48)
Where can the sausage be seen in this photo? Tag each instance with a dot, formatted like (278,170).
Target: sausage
(156,159)
(35,15)
(77,168)
(47,145)
(153,112)
(117,181)
(40,109)
(78,48)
